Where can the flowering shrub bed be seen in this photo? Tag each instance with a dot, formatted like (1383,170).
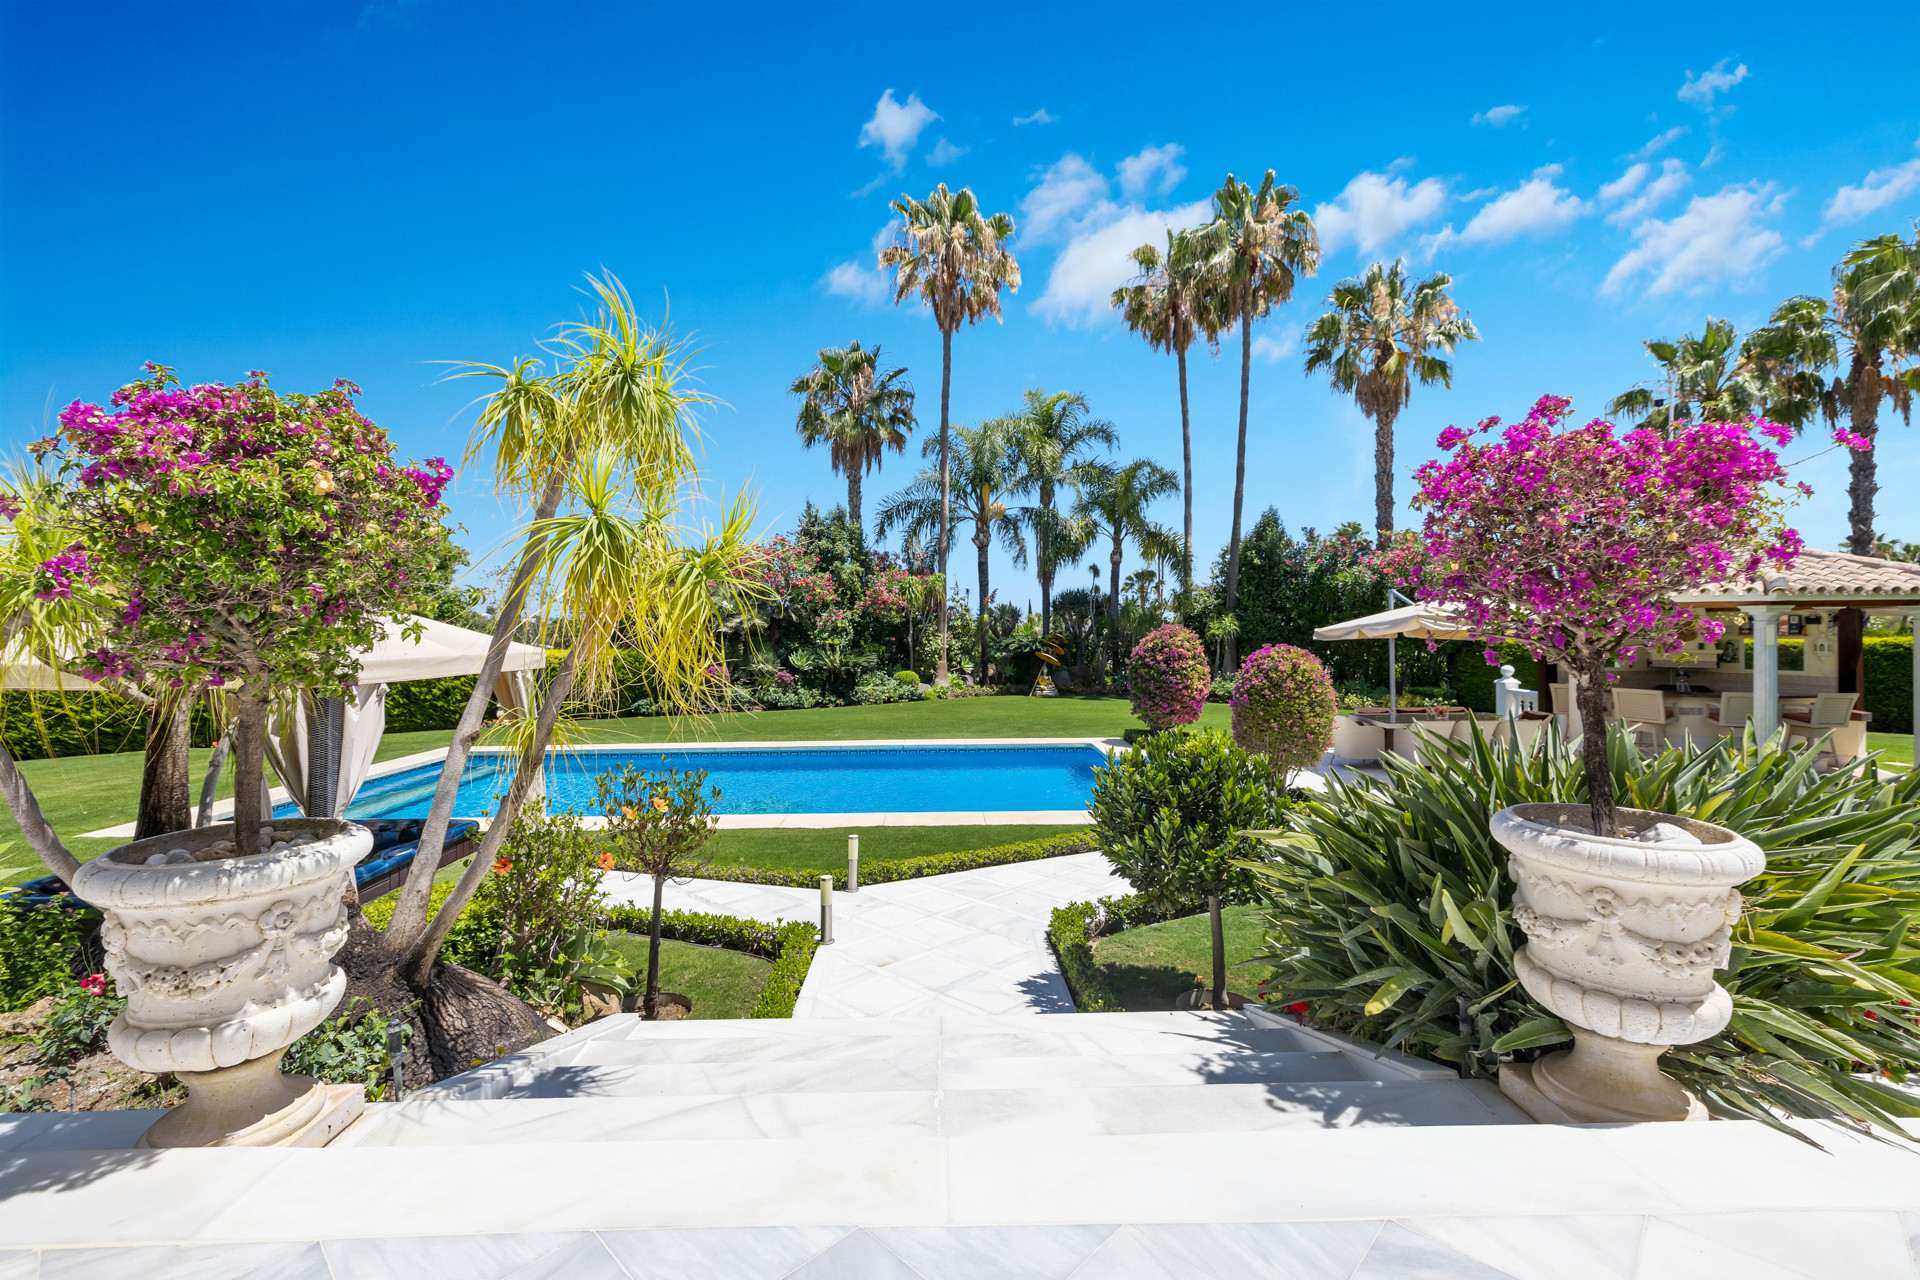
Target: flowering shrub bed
(1283,706)
(1168,677)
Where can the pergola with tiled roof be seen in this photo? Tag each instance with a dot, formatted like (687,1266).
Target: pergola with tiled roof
(1831,580)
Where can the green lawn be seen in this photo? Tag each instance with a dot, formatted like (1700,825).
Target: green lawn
(1147,967)
(1898,747)
(723,984)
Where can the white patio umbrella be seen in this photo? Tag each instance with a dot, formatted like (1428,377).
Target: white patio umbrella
(1421,621)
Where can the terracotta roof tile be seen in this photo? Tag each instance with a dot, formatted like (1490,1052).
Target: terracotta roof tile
(1822,575)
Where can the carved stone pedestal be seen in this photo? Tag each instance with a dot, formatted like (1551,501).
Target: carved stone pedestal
(1623,936)
(226,960)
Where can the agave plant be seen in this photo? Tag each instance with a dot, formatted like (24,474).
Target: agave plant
(1391,917)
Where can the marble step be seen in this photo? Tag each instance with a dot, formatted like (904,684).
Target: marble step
(1112,1110)
(640,1048)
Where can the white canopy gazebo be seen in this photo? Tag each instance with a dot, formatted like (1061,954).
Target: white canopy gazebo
(1419,621)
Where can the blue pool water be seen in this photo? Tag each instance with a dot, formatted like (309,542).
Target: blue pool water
(758,780)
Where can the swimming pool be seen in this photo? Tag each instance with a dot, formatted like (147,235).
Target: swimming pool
(764,780)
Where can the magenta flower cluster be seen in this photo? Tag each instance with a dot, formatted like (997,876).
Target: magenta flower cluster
(1168,677)
(1283,706)
(1575,542)
(58,575)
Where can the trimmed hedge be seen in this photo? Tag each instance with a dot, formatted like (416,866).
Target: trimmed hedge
(790,946)
(1889,662)
(1073,928)
(798,942)
(427,704)
(937,864)
(1472,676)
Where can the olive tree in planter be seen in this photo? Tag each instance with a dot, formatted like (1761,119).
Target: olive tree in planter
(251,542)
(1576,543)
(1172,814)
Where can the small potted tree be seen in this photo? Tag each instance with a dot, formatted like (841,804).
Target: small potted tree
(251,542)
(1575,543)
(657,824)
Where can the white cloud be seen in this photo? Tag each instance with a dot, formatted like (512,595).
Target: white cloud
(1536,207)
(1645,198)
(1069,187)
(867,189)
(944,152)
(1139,172)
(1498,117)
(1700,89)
(895,127)
(1374,210)
(1096,262)
(1660,142)
(861,284)
(1880,188)
(1271,350)
(1716,239)
(1042,116)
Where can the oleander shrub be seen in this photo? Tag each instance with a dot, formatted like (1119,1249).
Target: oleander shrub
(1391,917)
(1283,707)
(1168,677)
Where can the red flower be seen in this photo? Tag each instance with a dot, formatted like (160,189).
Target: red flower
(605,860)
(502,865)
(94,984)
(1298,1009)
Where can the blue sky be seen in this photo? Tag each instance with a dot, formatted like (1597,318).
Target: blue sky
(352,190)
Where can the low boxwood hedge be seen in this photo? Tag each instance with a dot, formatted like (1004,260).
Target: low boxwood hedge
(937,864)
(1073,928)
(790,946)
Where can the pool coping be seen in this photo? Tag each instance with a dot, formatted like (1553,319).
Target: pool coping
(223,810)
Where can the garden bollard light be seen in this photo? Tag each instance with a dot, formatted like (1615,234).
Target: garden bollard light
(853,864)
(826,911)
(396,1057)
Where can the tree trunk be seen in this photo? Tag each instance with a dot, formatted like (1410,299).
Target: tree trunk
(1113,599)
(940,675)
(1239,472)
(1043,560)
(32,823)
(165,789)
(1383,475)
(1590,689)
(471,1019)
(1863,469)
(980,543)
(210,787)
(1186,476)
(1219,955)
(410,912)
(418,962)
(853,503)
(249,770)
(650,1005)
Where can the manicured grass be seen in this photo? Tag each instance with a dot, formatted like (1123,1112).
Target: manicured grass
(1898,747)
(780,849)
(723,984)
(1147,967)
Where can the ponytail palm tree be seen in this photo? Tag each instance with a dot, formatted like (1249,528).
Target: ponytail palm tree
(856,410)
(1380,333)
(954,258)
(1164,305)
(985,474)
(1054,434)
(1256,247)
(1112,505)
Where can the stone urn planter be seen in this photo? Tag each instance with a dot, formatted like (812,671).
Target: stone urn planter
(225,961)
(1623,936)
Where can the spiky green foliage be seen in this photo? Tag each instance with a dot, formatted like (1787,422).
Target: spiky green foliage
(1391,917)
(857,410)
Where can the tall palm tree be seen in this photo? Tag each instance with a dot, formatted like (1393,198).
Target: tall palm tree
(1164,305)
(955,259)
(1054,436)
(1873,321)
(1256,247)
(984,473)
(1703,379)
(1381,332)
(854,409)
(1112,505)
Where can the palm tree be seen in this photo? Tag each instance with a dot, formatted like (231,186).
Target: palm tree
(854,409)
(1704,381)
(1112,505)
(1380,334)
(955,258)
(1874,318)
(1054,434)
(984,471)
(1164,305)
(1256,247)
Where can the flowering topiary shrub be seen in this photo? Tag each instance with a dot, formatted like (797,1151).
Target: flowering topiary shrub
(1168,677)
(1283,705)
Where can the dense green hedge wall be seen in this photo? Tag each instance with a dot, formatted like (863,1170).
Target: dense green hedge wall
(1472,677)
(427,704)
(1890,683)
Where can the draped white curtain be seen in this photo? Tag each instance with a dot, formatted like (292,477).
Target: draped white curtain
(287,743)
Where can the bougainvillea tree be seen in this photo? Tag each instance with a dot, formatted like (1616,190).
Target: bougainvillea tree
(1283,707)
(253,542)
(1576,542)
(1168,677)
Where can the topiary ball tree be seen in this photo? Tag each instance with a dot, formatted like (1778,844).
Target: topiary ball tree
(1283,707)
(1168,677)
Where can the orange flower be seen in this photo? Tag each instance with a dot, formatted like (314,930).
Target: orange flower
(502,865)
(660,803)
(606,860)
